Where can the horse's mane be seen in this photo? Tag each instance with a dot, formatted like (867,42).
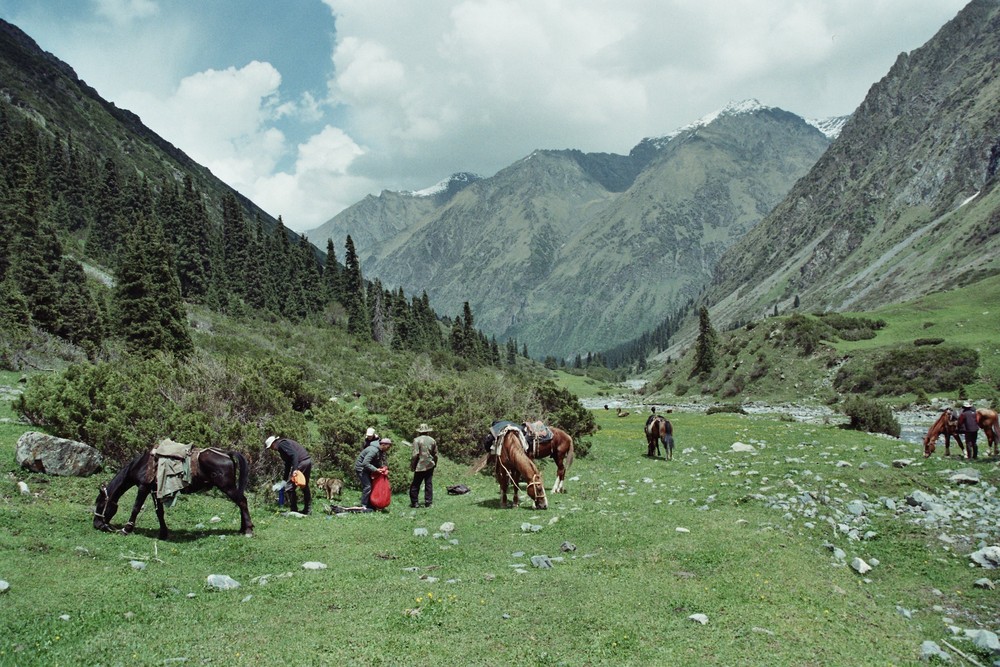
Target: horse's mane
(122,477)
(937,428)
(518,457)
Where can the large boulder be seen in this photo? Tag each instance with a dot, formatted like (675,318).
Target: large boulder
(39,452)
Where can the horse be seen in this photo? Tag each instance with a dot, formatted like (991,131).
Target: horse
(210,468)
(987,420)
(560,449)
(512,465)
(946,425)
(659,429)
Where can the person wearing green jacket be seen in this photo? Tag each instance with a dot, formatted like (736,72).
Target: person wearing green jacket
(422,463)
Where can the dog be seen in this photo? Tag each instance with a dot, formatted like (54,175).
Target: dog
(331,486)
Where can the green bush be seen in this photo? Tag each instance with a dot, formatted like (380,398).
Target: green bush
(734,408)
(928,341)
(124,406)
(905,370)
(871,416)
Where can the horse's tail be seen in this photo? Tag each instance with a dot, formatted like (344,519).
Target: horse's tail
(569,455)
(244,470)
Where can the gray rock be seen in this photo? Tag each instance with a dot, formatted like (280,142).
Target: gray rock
(44,453)
(985,583)
(4,586)
(929,650)
(137,564)
(698,618)
(222,582)
(901,463)
(965,476)
(543,562)
(860,566)
(984,640)
(856,507)
(987,557)
(567,546)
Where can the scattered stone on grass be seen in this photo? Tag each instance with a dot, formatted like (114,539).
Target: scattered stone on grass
(137,564)
(420,532)
(542,562)
(742,447)
(313,565)
(901,463)
(222,582)
(985,583)
(698,618)
(987,557)
(4,586)
(984,640)
(447,527)
(930,650)
(965,476)
(860,566)
(567,546)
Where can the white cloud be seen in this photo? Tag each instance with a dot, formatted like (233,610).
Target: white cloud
(126,11)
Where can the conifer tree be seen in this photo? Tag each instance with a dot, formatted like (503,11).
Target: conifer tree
(704,351)
(149,314)
(354,292)
(106,234)
(80,319)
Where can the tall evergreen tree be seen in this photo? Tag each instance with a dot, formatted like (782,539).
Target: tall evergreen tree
(705,355)
(354,292)
(149,313)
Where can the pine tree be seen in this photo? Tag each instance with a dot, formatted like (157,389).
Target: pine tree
(149,313)
(704,353)
(354,292)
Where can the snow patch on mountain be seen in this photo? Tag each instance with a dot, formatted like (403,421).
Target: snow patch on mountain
(831,127)
(444,185)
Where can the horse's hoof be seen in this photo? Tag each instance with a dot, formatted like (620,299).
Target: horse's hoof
(248,533)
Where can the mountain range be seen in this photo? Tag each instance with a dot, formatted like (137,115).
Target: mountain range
(571,252)
(903,203)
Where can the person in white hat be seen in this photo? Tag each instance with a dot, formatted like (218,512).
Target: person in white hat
(296,458)
(370,437)
(422,463)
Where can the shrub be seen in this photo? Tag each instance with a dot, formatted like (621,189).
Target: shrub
(928,341)
(734,408)
(871,416)
(905,370)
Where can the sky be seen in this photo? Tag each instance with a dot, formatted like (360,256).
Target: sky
(307,106)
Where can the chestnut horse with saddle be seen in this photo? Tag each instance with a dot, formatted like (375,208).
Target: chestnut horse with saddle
(947,425)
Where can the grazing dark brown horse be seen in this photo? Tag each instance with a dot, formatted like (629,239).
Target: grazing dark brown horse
(659,429)
(560,449)
(512,465)
(210,468)
(946,425)
(987,420)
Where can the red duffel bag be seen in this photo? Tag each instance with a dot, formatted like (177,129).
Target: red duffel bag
(381,492)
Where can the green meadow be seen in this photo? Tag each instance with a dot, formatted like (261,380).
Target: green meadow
(636,547)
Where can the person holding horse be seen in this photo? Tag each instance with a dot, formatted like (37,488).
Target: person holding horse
(296,459)
(422,463)
(370,461)
(968,425)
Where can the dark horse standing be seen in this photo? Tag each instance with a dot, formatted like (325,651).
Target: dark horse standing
(659,429)
(210,468)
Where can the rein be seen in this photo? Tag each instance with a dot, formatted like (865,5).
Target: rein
(535,479)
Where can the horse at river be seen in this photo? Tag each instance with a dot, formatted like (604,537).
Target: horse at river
(987,420)
(211,468)
(946,425)
(659,429)
(512,464)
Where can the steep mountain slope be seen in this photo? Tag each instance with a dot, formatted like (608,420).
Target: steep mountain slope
(572,252)
(47,89)
(904,202)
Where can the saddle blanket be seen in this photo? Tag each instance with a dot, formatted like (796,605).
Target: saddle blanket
(173,467)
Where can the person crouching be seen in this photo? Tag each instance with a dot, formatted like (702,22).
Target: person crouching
(296,458)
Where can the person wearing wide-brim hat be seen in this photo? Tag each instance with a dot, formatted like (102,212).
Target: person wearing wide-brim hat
(422,463)
(968,425)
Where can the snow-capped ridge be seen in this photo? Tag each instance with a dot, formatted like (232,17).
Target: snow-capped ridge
(443,185)
(747,106)
(831,127)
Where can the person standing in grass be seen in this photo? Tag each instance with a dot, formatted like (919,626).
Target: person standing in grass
(967,424)
(371,460)
(296,459)
(422,463)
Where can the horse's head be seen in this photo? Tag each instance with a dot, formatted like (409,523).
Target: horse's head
(536,491)
(104,509)
(487,442)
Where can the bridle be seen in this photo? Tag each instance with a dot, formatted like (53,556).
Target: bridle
(104,508)
(536,480)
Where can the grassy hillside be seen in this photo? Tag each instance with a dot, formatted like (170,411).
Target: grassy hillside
(795,358)
(745,539)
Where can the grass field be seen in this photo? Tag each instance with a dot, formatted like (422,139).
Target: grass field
(655,542)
